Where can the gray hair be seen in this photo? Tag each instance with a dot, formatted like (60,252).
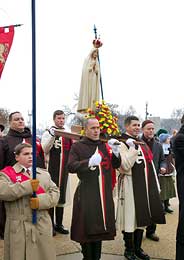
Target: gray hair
(86,121)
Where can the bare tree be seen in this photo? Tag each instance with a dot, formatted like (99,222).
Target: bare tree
(130,111)
(177,113)
(170,124)
(4,114)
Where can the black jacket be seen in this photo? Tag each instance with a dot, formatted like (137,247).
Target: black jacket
(178,149)
(8,143)
(158,154)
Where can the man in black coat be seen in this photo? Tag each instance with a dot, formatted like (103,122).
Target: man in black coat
(148,130)
(93,217)
(178,149)
(17,134)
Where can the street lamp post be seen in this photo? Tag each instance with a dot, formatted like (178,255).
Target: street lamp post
(146,112)
(146,115)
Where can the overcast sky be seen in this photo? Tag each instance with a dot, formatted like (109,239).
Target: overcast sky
(142,57)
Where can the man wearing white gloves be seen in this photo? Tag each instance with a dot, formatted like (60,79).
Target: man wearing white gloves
(56,149)
(139,202)
(93,217)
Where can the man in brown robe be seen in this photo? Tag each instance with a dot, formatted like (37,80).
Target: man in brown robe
(93,217)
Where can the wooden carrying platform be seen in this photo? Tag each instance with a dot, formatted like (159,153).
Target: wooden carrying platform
(74,134)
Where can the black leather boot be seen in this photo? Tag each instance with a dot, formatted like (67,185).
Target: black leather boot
(59,219)
(167,208)
(139,252)
(129,246)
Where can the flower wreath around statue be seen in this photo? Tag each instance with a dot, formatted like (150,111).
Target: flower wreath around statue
(107,121)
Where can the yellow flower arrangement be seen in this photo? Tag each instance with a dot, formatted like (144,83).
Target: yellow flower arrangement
(108,122)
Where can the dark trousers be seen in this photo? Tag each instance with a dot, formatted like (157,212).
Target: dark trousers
(151,229)
(166,204)
(179,251)
(2,219)
(92,250)
(59,216)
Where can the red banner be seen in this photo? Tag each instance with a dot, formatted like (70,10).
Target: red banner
(6,39)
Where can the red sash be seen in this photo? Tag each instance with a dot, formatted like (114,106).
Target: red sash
(19,177)
(113,171)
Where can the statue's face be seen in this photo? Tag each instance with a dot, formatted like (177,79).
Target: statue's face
(95,54)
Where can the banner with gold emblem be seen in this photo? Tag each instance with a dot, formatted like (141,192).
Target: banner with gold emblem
(6,39)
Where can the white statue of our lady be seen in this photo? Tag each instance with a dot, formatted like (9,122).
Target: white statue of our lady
(90,82)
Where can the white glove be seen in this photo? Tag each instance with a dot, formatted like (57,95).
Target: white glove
(95,160)
(52,131)
(115,146)
(130,142)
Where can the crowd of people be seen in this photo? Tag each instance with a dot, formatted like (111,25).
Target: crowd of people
(143,164)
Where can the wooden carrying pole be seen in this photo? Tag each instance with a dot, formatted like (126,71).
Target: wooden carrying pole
(78,136)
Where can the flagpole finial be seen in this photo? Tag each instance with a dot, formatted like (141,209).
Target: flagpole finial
(14,25)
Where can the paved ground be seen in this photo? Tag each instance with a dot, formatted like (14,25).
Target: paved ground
(78,256)
(113,250)
(104,257)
